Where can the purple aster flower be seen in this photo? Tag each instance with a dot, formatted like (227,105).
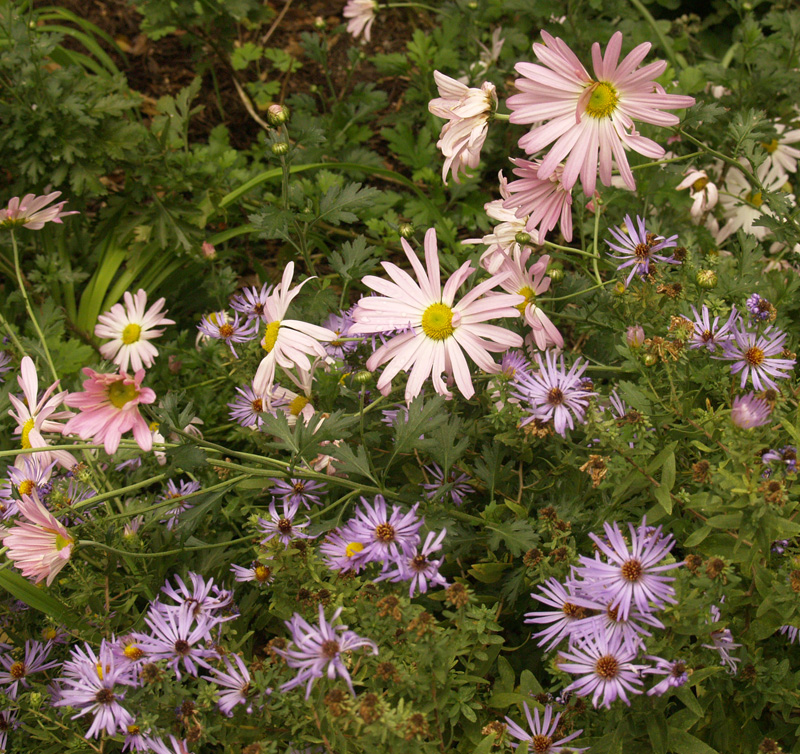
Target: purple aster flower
(131,528)
(385,535)
(706,334)
(174,491)
(218,326)
(317,650)
(761,309)
(282,525)
(33,475)
(722,642)
(631,576)
(246,408)
(458,484)
(8,505)
(298,492)
(606,666)
(90,684)
(637,249)
(16,672)
(252,302)
(235,685)
(255,572)
(340,324)
(553,393)
(779,546)
(513,362)
(128,652)
(750,411)
(754,356)
(175,746)
(569,611)
(675,673)
(389,415)
(136,739)
(343,551)
(787,455)
(203,600)
(611,623)
(542,732)
(175,640)
(8,722)
(5,363)
(791,632)
(417,567)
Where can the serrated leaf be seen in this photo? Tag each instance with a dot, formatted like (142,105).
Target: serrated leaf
(518,536)
(422,416)
(339,204)
(186,457)
(682,742)
(352,461)
(354,259)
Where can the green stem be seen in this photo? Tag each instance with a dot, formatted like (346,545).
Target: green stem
(29,308)
(596,255)
(577,293)
(116,493)
(12,335)
(689,156)
(500,116)
(663,41)
(568,249)
(412,5)
(163,553)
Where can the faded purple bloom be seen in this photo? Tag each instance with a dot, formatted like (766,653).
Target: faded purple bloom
(635,336)
(218,326)
(317,650)
(8,721)
(723,643)
(340,324)
(787,455)
(15,672)
(553,393)
(569,611)
(542,732)
(707,334)
(385,535)
(607,669)
(255,572)
(298,492)
(203,600)
(458,483)
(175,640)
(755,355)
(235,683)
(675,673)
(252,302)
(282,525)
(5,363)
(761,309)
(417,567)
(750,411)
(637,249)
(791,632)
(174,491)
(343,551)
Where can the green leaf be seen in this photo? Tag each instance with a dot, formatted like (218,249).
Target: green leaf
(664,498)
(186,457)
(657,732)
(696,537)
(682,742)
(505,699)
(485,746)
(518,536)
(686,695)
(354,259)
(489,573)
(421,417)
(338,204)
(353,461)
(506,681)
(725,521)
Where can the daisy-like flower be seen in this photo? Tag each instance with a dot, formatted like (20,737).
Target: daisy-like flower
(252,302)
(175,492)
(317,650)
(591,120)
(33,475)
(458,482)
(8,722)
(704,193)
(174,639)
(750,411)
(706,334)
(607,669)
(360,15)
(288,342)
(248,406)
(438,328)
(385,535)
(611,622)
(542,732)
(15,672)
(218,326)
(632,574)
(128,652)
(297,492)
(417,567)
(674,673)
(530,283)
(175,746)
(39,546)
(8,505)
(234,685)
(131,329)
(756,356)
(90,686)
(791,632)
(787,455)
(340,324)
(723,644)
(342,550)
(255,572)
(200,599)
(569,610)
(5,364)
(544,202)
(282,525)
(32,212)
(109,407)
(467,111)
(638,248)
(552,393)
(782,157)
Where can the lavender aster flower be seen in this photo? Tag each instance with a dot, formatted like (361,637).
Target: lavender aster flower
(542,732)
(5,363)
(235,683)
(458,483)
(675,673)
(706,334)
(385,535)
(340,324)
(282,525)
(217,325)
(761,309)
(791,632)
(787,455)
(8,506)
(175,640)
(317,650)
(749,411)
(569,610)
(610,622)
(15,672)
(256,572)
(553,393)
(754,356)
(202,601)
(298,492)
(246,408)
(722,642)
(252,302)
(343,551)
(607,669)
(417,568)
(631,576)
(174,491)
(8,721)
(175,746)
(33,475)
(638,248)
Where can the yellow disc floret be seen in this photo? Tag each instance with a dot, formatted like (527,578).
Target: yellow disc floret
(271,336)
(26,432)
(437,322)
(603,100)
(26,487)
(353,548)
(529,295)
(297,404)
(119,393)
(131,334)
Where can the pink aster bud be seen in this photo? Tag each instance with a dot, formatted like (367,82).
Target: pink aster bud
(209,252)
(277,114)
(635,336)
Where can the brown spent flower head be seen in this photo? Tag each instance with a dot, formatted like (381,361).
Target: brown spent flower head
(194,733)
(390,606)
(416,727)
(749,673)
(794,581)
(548,513)
(252,749)
(715,567)
(562,525)
(693,563)
(150,672)
(277,643)
(682,327)
(770,746)
(701,471)
(496,728)
(322,596)
(368,708)
(559,554)
(388,672)
(538,428)
(337,702)
(457,595)
(222,473)
(596,468)
(671,290)
(532,558)
(773,491)
(423,623)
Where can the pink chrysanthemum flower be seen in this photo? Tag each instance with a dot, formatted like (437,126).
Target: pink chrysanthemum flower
(32,212)
(40,546)
(704,193)
(438,328)
(467,110)
(130,329)
(109,407)
(360,14)
(591,120)
(542,201)
(288,342)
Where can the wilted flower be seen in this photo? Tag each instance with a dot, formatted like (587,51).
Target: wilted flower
(675,673)
(703,192)
(750,411)
(360,14)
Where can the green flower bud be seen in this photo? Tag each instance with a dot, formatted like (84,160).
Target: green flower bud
(277,114)
(279,148)
(363,377)
(706,279)
(556,274)
(619,288)
(650,359)
(406,230)
(522,238)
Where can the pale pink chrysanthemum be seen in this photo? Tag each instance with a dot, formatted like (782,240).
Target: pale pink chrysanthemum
(39,546)
(360,14)
(704,193)
(32,212)
(591,120)
(437,331)
(530,283)
(130,329)
(109,407)
(35,415)
(542,201)
(288,342)
(467,110)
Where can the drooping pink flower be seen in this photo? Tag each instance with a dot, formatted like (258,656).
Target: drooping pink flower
(591,120)
(703,192)
(467,110)
(543,201)
(32,212)
(40,546)
(437,330)
(360,14)
(109,407)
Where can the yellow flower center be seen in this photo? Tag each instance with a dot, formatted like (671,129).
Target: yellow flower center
(529,295)
(271,336)
(771,147)
(132,652)
(62,542)
(297,404)
(26,432)
(353,548)
(48,634)
(755,199)
(437,322)
(120,393)
(700,184)
(26,487)
(226,331)
(603,100)
(131,334)
(262,573)
(99,671)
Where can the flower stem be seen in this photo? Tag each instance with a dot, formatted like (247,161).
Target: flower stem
(29,309)
(12,335)
(596,254)
(577,293)
(689,156)
(663,41)
(421,6)
(568,249)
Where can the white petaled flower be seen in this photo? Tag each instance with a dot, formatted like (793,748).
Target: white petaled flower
(130,329)
(32,212)
(288,342)
(703,192)
(468,111)
(782,157)
(360,14)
